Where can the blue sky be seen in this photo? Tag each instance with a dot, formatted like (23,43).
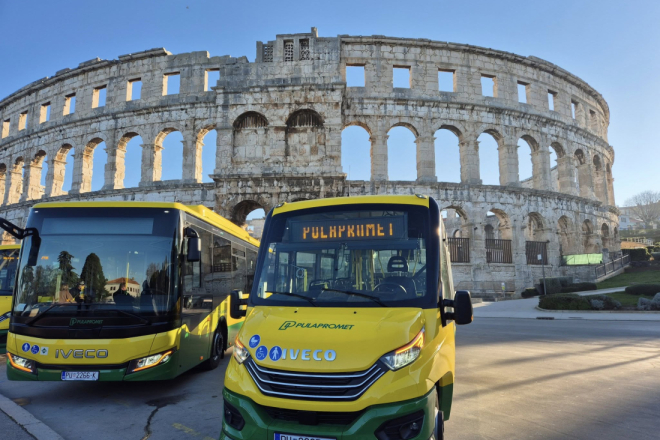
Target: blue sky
(610,44)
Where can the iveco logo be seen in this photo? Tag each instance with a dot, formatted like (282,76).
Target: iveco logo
(80,354)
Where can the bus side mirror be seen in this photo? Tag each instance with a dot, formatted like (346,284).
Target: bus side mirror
(236,302)
(194,253)
(462,305)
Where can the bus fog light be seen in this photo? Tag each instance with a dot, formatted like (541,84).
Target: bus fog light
(21,363)
(240,352)
(405,355)
(149,361)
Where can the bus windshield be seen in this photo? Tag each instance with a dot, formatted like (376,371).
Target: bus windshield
(8,264)
(92,260)
(346,257)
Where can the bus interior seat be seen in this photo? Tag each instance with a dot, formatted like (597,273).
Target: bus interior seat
(397,264)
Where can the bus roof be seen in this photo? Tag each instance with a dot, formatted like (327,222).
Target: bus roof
(9,246)
(417,199)
(199,211)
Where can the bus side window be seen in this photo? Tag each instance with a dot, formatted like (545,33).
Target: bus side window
(251,265)
(239,264)
(221,255)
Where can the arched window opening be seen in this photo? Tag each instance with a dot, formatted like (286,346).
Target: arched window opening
(16,181)
(447,155)
(597,163)
(554,170)
(401,154)
(605,235)
(454,219)
(525,168)
(497,224)
(247,211)
(255,223)
(172,156)
(131,145)
(250,120)
(100,159)
(589,244)
(305,118)
(535,227)
(564,232)
(68,155)
(489,159)
(208,141)
(356,153)
(3,180)
(44,170)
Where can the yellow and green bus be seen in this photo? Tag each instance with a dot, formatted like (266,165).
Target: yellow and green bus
(8,264)
(125,291)
(350,325)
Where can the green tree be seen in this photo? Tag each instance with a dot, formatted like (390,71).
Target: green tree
(92,275)
(69,277)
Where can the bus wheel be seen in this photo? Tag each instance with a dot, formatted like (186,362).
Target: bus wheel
(217,351)
(439,429)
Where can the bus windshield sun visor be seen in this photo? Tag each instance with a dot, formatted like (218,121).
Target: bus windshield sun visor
(20,234)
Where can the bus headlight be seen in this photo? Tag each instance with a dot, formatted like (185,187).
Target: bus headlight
(240,352)
(405,355)
(149,361)
(21,363)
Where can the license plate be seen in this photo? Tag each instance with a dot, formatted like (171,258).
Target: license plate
(80,375)
(279,436)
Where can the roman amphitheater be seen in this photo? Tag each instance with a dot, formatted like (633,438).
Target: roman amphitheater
(279,123)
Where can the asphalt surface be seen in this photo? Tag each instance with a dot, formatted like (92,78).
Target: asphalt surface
(516,379)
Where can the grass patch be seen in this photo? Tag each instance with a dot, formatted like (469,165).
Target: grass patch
(628,279)
(627,300)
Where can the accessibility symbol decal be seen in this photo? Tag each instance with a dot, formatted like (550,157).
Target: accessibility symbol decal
(254,341)
(275,353)
(26,347)
(35,349)
(262,352)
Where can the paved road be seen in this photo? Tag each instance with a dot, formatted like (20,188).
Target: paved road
(517,379)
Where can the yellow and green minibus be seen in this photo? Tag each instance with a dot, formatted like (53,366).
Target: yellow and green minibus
(350,325)
(8,264)
(125,291)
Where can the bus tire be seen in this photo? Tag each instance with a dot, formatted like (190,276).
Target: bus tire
(217,351)
(439,425)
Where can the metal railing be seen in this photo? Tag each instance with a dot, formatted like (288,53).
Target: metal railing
(535,248)
(612,266)
(498,251)
(459,250)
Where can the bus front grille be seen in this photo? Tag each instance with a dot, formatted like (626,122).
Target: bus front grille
(335,387)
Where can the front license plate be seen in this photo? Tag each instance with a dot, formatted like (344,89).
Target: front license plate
(80,375)
(279,436)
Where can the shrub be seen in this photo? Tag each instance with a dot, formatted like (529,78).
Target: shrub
(565,281)
(553,285)
(530,292)
(641,254)
(656,256)
(643,289)
(579,287)
(564,301)
(603,302)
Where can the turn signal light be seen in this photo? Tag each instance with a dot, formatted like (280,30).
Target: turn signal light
(150,361)
(240,352)
(21,363)
(405,355)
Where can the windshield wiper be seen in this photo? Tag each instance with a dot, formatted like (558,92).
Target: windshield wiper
(362,295)
(125,313)
(121,312)
(310,300)
(43,313)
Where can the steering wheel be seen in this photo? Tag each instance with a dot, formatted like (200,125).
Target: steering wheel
(390,287)
(343,284)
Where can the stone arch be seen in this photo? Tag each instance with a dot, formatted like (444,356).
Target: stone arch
(535,228)
(356,151)
(358,123)
(250,138)
(153,156)
(241,210)
(489,155)
(13,193)
(33,189)
(565,233)
(402,152)
(605,235)
(526,147)
(205,154)
(502,223)
(599,180)
(589,241)
(447,153)
(305,139)
(3,178)
(83,166)
(128,160)
(455,217)
(598,166)
(62,171)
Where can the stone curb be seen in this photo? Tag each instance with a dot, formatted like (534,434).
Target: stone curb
(27,421)
(598,311)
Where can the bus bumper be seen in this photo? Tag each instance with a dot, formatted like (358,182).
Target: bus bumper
(3,341)
(259,425)
(168,370)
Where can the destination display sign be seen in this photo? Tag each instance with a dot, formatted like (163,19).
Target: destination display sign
(377,228)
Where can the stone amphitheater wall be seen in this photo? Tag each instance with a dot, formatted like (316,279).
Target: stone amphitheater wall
(279,122)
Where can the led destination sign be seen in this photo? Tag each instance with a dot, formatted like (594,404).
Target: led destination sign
(394,227)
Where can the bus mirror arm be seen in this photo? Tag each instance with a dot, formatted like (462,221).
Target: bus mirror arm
(462,307)
(194,253)
(20,234)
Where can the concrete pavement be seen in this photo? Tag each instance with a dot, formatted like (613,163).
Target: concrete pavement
(18,424)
